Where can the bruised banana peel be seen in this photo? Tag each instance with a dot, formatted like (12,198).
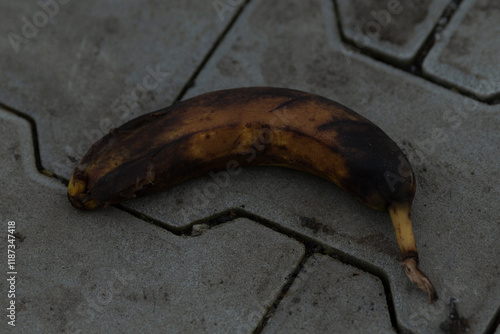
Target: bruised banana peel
(253,126)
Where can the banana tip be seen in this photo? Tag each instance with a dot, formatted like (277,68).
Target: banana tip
(417,276)
(78,195)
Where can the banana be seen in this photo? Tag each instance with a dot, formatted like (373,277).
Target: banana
(253,126)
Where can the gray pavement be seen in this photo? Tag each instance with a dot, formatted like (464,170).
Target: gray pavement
(268,250)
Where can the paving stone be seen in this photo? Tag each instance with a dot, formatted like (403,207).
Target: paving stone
(466,54)
(93,65)
(331,297)
(107,271)
(394,29)
(451,141)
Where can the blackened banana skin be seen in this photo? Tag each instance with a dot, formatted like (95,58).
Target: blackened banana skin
(251,126)
(138,158)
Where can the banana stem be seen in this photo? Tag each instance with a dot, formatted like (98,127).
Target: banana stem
(400,216)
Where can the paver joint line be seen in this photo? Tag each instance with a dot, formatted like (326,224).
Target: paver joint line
(192,80)
(67,77)
(312,247)
(415,67)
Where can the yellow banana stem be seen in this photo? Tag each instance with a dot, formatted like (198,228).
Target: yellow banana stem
(400,215)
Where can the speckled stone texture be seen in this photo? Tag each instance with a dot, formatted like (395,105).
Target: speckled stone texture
(269,249)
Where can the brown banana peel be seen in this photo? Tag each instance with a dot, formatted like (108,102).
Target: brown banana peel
(253,126)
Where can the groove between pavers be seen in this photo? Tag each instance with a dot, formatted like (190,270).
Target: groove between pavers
(363,310)
(191,81)
(312,245)
(416,66)
(448,63)
(402,40)
(97,59)
(410,110)
(213,222)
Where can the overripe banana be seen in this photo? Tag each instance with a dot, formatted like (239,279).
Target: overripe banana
(253,126)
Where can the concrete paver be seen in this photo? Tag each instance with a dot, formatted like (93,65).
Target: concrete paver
(331,297)
(94,65)
(393,29)
(110,272)
(107,271)
(466,56)
(450,140)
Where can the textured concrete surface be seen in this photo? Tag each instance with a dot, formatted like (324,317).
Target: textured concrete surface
(329,296)
(467,54)
(108,61)
(80,73)
(109,271)
(394,29)
(431,129)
